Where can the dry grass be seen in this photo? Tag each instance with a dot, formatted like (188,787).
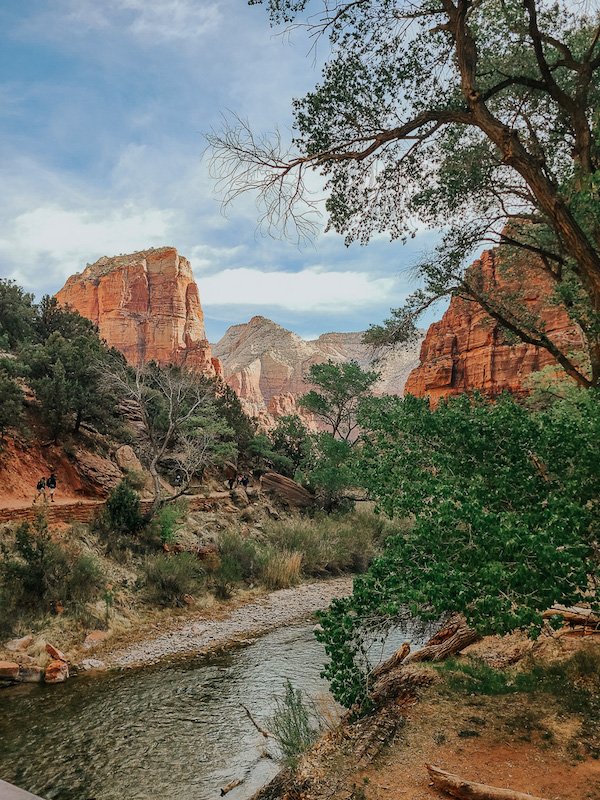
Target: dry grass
(282,569)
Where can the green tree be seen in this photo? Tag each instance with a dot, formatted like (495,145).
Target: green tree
(291,438)
(506,519)
(17,315)
(335,401)
(52,390)
(330,471)
(475,117)
(11,403)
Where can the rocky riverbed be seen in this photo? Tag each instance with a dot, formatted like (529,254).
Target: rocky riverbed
(275,610)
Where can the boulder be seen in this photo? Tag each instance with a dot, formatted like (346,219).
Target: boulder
(94,638)
(96,471)
(91,663)
(9,671)
(19,645)
(127,460)
(286,490)
(56,672)
(55,653)
(31,673)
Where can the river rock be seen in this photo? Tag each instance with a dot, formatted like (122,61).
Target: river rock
(94,638)
(9,671)
(19,645)
(91,663)
(56,672)
(55,653)
(31,674)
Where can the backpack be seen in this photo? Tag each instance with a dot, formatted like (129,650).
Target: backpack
(41,484)
(51,482)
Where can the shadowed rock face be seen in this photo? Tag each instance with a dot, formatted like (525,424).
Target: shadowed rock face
(146,305)
(265,364)
(467,350)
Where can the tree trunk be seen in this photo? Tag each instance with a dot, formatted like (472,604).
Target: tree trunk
(466,790)
(463,637)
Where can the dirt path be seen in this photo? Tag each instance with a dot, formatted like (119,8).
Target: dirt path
(275,610)
(68,509)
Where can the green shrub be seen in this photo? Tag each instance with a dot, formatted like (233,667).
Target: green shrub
(167,521)
(85,580)
(122,509)
(292,727)
(38,572)
(168,578)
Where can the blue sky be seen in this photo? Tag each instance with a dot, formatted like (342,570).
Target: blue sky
(103,109)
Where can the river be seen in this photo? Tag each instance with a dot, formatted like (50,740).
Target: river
(175,731)
(172,731)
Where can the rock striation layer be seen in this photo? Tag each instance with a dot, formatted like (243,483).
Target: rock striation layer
(266,364)
(467,350)
(146,305)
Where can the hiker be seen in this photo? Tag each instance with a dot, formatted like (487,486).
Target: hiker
(41,490)
(51,484)
(245,481)
(231,482)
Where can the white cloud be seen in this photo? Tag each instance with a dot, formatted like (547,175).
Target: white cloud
(57,242)
(148,19)
(312,289)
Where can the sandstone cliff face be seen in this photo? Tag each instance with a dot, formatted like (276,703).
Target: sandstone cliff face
(146,305)
(467,350)
(265,364)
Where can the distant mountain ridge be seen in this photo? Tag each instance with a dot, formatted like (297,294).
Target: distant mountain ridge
(265,364)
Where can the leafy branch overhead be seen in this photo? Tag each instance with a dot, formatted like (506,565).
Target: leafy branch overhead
(475,117)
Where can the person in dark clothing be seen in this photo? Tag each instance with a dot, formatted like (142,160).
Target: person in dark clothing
(245,481)
(41,490)
(51,484)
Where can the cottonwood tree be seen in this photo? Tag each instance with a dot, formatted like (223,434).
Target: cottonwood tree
(175,413)
(339,388)
(477,117)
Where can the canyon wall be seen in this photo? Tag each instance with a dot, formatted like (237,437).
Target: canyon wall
(467,350)
(265,364)
(146,305)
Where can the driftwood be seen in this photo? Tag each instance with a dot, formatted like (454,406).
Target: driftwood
(264,732)
(575,615)
(231,785)
(467,790)
(463,637)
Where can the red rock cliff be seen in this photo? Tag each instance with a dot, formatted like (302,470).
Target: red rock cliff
(467,350)
(146,305)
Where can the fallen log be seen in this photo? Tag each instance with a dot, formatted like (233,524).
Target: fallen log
(574,615)
(391,663)
(231,785)
(467,790)
(462,638)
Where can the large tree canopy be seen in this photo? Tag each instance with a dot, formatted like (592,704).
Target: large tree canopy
(477,117)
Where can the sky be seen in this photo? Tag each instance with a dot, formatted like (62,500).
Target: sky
(104,109)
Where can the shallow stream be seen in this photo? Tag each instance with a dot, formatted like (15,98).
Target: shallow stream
(175,731)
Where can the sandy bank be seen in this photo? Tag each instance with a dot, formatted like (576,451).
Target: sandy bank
(275,610)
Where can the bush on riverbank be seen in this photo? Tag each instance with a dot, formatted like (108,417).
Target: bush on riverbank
(169,579)
(38,575)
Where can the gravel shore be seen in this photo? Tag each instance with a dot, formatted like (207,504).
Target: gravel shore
(275,610)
